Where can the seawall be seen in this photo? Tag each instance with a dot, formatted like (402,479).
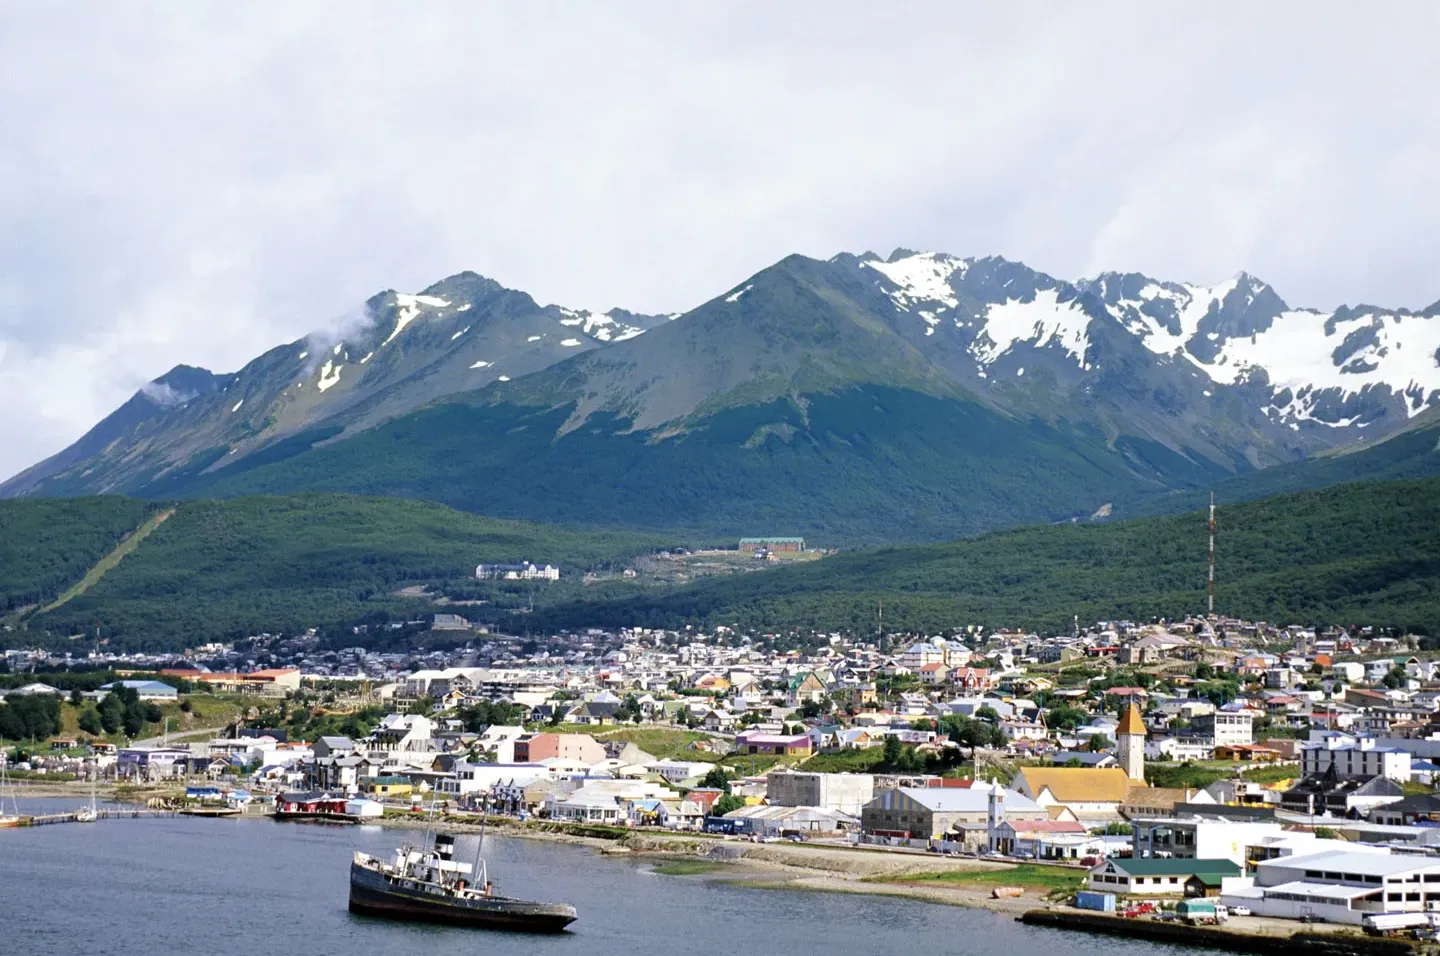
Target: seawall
(1299,944)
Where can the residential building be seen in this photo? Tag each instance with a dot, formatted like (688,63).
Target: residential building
(1329,794)
(1226,726)
(579,747)
(1357,758)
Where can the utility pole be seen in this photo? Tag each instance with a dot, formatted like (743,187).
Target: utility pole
(1212,558)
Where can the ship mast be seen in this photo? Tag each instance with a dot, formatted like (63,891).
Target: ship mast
(480,869)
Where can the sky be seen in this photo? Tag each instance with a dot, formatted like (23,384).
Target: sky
(195,183)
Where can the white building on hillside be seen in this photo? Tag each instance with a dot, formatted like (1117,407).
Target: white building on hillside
(1354,758)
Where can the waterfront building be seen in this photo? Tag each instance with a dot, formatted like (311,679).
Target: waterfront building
(1341,885)
(1161,877)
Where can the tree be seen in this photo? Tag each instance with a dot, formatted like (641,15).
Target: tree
(716,779)
(1096,743)
(133,721)
(1396,678)
(112,713)
(1066,718)
(90,722)
(892,751)
(77,697)
(988,714)
(725,804)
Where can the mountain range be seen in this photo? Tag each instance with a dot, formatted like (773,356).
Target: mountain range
(854,399)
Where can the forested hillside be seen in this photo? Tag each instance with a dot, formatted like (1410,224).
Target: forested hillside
(46,545)
(225,569)
(1359,553)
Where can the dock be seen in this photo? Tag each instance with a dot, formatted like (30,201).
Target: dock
(73,816)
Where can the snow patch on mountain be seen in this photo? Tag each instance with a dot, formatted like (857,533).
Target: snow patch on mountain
(1042,321)
(735,296)
(460,333)
(921,278)
(410,307)
(599,325)
(481,364)
(1188,304)
(329,375)
(1303,352)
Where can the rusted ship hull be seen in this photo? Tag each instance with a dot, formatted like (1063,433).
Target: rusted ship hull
(373,894)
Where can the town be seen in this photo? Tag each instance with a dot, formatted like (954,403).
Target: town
(1230,766)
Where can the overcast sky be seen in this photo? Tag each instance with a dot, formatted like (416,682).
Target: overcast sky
(196,183)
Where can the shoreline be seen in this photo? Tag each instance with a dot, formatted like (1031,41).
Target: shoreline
(808,867)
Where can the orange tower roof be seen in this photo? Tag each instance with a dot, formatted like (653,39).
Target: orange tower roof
(1131,722)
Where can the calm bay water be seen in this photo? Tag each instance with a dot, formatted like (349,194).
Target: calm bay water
(246,887)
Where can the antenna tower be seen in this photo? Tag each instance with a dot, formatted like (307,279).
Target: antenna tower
(1212,557)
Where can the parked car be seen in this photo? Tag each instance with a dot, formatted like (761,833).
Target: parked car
(1239,911)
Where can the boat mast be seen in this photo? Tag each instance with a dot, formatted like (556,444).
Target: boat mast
(480,868)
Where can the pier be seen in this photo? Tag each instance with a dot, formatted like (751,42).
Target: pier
(73,816)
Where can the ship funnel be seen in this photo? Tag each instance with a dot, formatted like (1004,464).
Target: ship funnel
(444,846)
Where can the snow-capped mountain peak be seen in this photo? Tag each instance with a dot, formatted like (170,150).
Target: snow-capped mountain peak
(920,278)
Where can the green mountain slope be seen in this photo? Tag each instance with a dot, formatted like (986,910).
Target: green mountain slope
(47,545)
(1361,554)
(1413,452)
(860,464)
(228,569)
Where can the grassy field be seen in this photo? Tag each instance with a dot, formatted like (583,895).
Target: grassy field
(661,742)
(1201,773)
(1032,876)
(846,761)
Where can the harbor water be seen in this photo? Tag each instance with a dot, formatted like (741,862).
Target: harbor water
(237,887)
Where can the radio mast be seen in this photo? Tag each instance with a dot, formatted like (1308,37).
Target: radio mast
(1212,557)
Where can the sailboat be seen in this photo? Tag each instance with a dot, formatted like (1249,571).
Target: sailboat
(13,818)
(91,813)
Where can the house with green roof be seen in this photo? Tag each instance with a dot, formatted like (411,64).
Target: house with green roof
(1160,877)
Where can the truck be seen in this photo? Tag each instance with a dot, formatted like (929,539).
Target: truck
(1388,924)
(1201,912)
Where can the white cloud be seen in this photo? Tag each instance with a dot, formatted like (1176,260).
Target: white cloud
(199,183)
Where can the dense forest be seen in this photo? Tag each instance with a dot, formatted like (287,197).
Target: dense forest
(47,544)
(1359,553)
(226,569)
(220,570)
